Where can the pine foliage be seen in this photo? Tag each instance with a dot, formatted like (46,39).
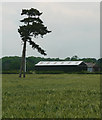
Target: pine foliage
(33,27)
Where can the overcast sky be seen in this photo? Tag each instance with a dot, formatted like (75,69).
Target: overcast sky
(75,29)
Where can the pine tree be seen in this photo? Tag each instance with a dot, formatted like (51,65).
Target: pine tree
(33,27)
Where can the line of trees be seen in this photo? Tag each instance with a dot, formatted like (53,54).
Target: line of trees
(12,64)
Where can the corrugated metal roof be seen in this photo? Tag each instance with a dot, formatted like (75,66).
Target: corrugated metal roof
(45,63)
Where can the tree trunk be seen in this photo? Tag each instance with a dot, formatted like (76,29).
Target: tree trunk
(22,68)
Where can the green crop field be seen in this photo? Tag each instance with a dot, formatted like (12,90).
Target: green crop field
(51,96)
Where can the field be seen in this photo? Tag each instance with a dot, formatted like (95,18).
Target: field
(51,96)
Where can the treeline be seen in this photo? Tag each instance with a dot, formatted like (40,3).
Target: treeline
(12,64)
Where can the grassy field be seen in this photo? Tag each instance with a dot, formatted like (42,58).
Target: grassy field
(51,96)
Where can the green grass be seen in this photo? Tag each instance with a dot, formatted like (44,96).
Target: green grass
(51,96)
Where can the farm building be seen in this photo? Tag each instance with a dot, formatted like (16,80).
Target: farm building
(92,67)
(66,66)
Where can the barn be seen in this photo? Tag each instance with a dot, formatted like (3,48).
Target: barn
(66,66)
(92,67)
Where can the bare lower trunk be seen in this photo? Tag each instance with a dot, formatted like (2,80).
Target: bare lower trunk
(22,68)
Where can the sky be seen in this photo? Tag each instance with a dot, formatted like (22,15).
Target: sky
(75,29)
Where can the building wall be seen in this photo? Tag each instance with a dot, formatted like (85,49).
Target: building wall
(70,68)
(90,69)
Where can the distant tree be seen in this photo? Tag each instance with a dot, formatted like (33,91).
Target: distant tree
(75,57)
(89,60)
(10,63)
(99,62)
(33,27)
(67,59)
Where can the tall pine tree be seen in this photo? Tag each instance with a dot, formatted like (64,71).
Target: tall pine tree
(33,27)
